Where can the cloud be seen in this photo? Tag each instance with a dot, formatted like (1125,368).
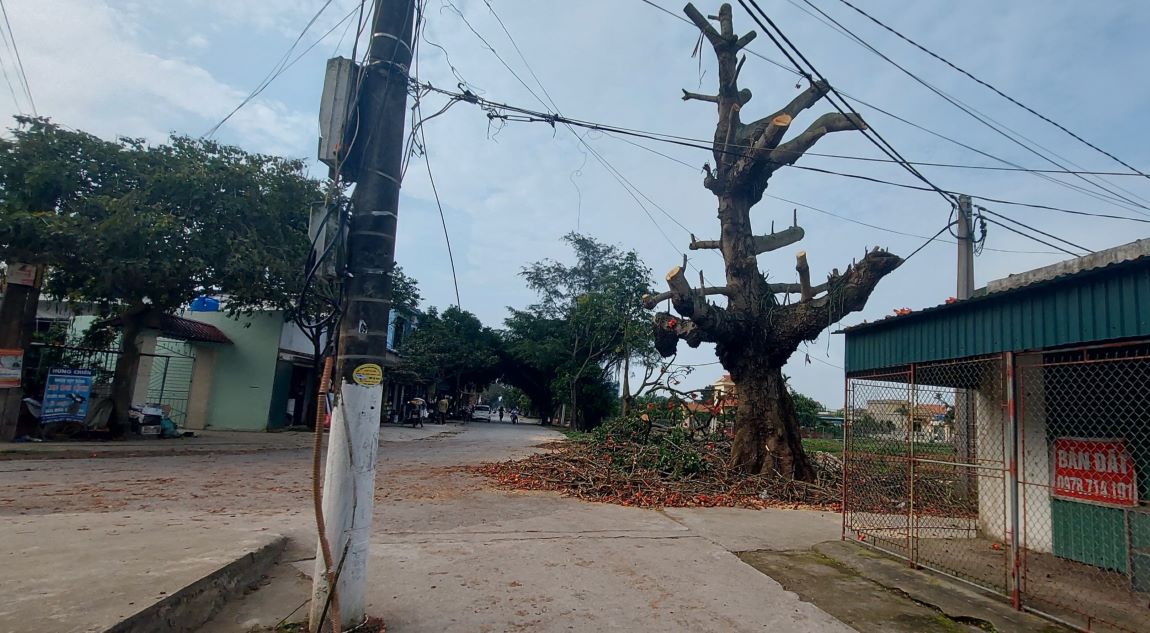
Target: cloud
(111,85)
(508,194)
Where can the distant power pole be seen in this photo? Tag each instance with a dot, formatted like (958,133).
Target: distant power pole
(963,401)
(965,231)
(349,481)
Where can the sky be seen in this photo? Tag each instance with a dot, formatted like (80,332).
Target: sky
(510,192)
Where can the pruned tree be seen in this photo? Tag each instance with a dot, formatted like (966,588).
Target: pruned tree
(756,332)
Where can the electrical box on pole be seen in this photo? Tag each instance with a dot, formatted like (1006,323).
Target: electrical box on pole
(337,113)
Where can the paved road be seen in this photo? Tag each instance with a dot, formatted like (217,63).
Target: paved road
(449,553)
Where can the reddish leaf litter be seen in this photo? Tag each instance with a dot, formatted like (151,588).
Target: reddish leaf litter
(614,473)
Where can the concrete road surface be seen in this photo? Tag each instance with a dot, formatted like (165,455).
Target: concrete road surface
(449,553)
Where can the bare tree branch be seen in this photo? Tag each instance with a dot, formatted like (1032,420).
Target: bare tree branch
(792,150)
(846,293)
(775,241)
(804,277)
(702,244)
(687,96)
(700,21)
(742,42)
(794,289)
(650,301)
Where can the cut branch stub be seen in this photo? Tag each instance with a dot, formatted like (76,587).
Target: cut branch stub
(775,241)
(701,21)
(669,330)
(687,96)
(804,271)
(650,301)
(846,293)
(681,296)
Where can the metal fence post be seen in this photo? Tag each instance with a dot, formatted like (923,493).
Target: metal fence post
(1013,484)
(911,532)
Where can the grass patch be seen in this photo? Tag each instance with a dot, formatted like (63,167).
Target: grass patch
(834,447)
(577,436)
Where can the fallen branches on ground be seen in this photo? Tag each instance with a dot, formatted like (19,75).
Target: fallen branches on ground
(621,465)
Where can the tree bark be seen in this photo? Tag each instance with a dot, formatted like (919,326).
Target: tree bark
(17,323)
(127,364)
(767,438)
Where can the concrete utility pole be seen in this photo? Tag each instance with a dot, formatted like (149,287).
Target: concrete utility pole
(963,400)
(349,481)
(965,231)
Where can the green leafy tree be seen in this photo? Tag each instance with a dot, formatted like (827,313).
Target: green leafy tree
(450,350)
(140,230)
(807,409)
(593,310)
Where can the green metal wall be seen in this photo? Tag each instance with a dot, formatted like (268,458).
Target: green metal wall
(244,372)
(1110,303)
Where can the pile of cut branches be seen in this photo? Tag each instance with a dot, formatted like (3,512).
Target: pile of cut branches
(626,463)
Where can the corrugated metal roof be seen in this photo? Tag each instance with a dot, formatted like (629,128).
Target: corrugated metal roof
(1096,304)
(177,327)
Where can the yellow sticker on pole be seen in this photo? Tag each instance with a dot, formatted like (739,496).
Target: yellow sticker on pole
(367,375)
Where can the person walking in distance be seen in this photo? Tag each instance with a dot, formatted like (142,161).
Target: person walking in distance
(442,406)
(500,413)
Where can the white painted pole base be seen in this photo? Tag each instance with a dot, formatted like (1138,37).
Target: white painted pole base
(348,502)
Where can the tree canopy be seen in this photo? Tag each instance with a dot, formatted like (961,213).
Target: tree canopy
(450,349)
(587,321)
(123,223)
(135,228)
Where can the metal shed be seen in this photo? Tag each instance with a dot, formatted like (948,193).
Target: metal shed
(1004,440)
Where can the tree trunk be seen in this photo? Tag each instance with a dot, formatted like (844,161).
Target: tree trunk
(127,365)
(767,435)
(17,323)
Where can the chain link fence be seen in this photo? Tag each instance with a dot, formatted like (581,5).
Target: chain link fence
(945,462)
(1084,438)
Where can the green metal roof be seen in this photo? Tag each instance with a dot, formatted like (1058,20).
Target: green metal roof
(1108,303)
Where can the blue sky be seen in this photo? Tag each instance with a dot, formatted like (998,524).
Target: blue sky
(144,69)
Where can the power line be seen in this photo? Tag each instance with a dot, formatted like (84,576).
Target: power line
(554,113)
(442,217)
(19,61)
(11,89)
(837,215)
(982,118)
(1039,173)
(1031,228)
(493,108)
(1041,241)
(878,139)
(282,65)
(994,89)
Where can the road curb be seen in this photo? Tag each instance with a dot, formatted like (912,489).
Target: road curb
(188,609)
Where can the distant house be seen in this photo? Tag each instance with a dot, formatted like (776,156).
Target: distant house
(725,394)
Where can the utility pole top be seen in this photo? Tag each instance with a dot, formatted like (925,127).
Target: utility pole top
(965,234)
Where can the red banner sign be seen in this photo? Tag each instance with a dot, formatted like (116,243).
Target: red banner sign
(1099,471)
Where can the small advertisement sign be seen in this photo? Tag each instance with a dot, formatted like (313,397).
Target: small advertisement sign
(22,274)
(11,366)
(1094,470)
(66,395)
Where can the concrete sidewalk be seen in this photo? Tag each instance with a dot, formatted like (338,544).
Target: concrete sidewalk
(207,441)
(80,573)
